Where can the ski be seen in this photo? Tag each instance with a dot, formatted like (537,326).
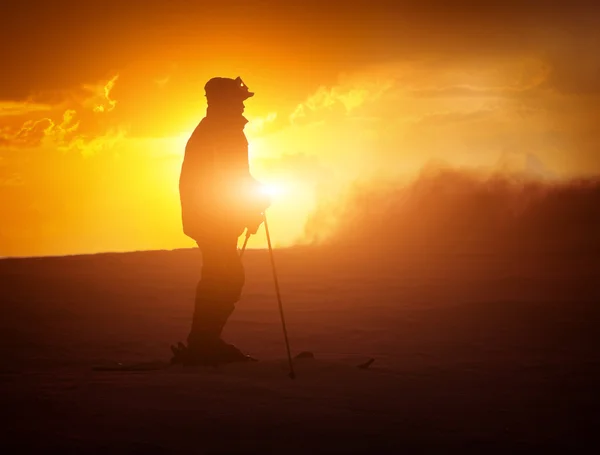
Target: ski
(140,366)
(162,365)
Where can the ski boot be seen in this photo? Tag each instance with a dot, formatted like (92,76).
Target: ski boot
(208,354)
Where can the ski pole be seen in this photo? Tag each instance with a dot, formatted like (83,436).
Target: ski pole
(287,343)
(245,243)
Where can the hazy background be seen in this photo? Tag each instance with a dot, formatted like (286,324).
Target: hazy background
(470,127)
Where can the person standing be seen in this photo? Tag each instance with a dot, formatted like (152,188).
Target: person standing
(219,200)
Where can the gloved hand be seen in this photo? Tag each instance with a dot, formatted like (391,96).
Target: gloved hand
(255,202)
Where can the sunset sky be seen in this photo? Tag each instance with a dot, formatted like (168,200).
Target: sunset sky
(97,100)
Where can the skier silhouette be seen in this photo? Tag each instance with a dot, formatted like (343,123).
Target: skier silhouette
(219,199)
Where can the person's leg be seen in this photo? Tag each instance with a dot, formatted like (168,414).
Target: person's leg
(235,282)
(217,291)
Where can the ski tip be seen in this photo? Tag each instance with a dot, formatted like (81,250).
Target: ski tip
(367,364)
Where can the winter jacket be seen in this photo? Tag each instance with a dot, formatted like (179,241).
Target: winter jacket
(215,179)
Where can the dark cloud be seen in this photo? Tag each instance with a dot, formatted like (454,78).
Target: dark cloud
(57,45)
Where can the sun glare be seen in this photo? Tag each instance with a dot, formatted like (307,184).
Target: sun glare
(272,190)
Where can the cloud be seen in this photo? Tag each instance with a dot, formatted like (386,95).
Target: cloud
(34,132)
(339,100)
(517,125)
(29,135)
(322,34)
(481,77)
(428,90)
(89,146)
(101,100)
(473,85)
(452,119)
(72,130)
(260,126)
(19,108)
(395,117)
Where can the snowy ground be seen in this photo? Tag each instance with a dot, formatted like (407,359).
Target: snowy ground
(473,353)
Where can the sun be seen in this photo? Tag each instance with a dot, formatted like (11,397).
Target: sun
(272,190)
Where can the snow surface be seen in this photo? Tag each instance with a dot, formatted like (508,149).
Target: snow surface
(475,353)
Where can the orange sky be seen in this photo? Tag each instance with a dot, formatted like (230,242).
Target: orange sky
(97,100)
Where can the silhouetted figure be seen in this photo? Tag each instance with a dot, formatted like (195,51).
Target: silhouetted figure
(219,199)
